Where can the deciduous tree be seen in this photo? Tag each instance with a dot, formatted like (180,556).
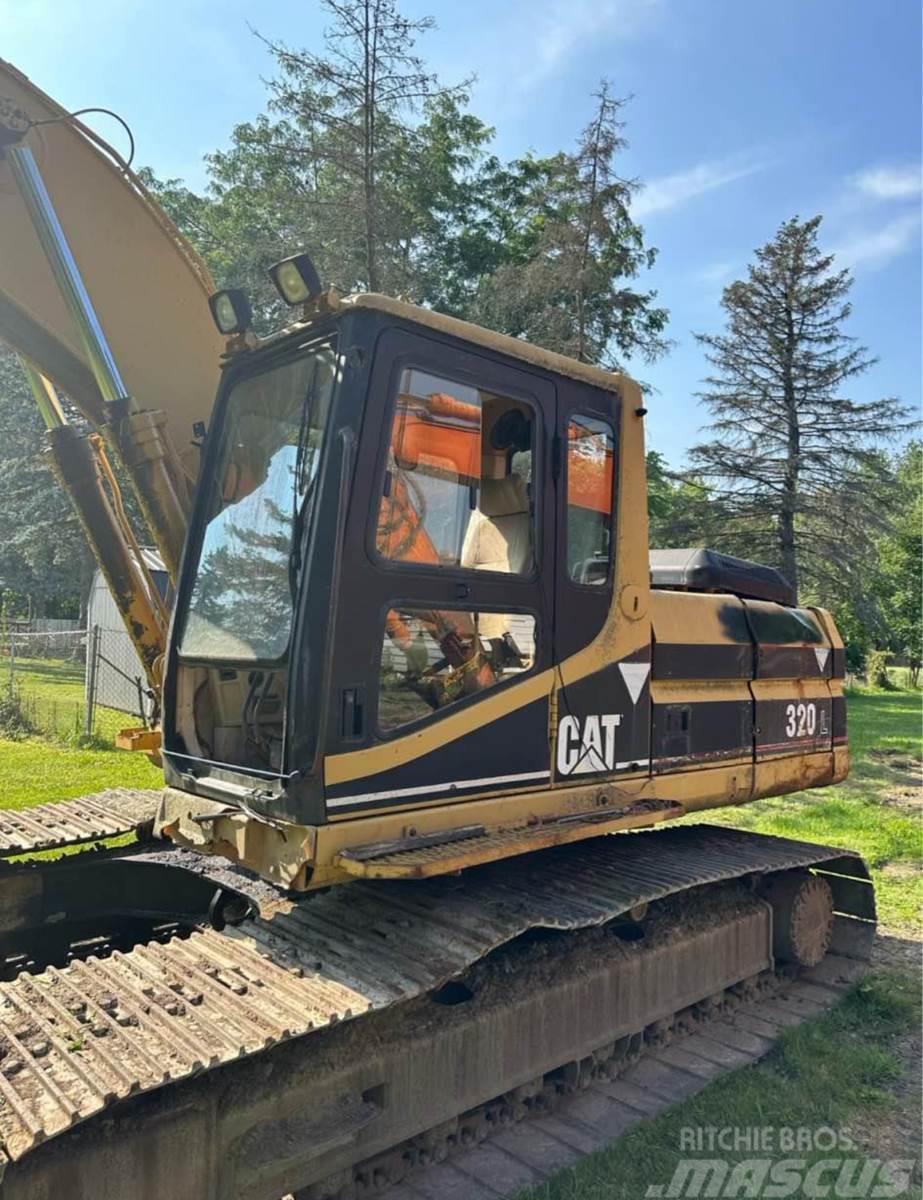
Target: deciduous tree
(901,559)
(45,564)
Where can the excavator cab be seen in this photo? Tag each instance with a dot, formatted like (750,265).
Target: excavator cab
(417,626)
(393,521)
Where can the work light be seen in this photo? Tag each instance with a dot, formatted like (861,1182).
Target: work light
(231,310)
(296,279)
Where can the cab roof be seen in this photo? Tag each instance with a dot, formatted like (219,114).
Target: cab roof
(477,335)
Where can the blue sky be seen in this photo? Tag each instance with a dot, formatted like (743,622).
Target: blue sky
(743,114)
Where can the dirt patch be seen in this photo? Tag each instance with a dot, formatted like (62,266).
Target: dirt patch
(901,760)
(904,788)
(894,1132)
(899,951)
(909,799)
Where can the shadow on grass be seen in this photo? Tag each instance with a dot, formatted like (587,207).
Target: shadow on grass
(53,670)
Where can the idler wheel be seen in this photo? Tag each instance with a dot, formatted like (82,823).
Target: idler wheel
(802,912)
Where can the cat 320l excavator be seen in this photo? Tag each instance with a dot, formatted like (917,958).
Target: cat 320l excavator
(421,665)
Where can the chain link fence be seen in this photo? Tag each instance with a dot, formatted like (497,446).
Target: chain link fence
(70,684)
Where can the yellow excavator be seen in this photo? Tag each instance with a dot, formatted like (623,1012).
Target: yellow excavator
(420,664)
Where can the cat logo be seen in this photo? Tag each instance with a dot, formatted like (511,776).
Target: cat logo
(589,750)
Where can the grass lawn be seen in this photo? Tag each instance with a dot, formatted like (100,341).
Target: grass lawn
(54,695)
(34,771)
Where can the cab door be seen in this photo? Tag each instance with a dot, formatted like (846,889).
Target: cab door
(441,673)
(603,713)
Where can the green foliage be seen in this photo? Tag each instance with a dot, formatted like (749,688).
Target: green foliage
(563,283)
(900,569)
(681,509)
(886,613)
(15,721)
(45,566)
(381,172)
(876,667)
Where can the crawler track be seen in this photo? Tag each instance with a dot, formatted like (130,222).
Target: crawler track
(73,822)
(504,1146)
(370,972)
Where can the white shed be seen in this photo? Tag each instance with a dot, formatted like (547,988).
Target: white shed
(120,679)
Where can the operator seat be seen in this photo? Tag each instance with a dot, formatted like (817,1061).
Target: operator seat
(499,538)
(499,535)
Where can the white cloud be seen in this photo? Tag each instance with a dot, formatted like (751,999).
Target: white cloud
(890,183)
(716,273)
(670,191)
(875,248)
(556,30)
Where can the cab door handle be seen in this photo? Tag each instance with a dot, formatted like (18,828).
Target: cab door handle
(353,712)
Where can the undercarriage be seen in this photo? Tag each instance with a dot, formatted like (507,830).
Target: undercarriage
(246,1042)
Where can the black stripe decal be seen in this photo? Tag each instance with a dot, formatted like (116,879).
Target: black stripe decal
(707,661)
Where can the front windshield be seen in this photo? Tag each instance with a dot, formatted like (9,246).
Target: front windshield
(271,440)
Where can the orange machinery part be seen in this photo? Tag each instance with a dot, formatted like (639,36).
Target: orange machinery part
(421,438)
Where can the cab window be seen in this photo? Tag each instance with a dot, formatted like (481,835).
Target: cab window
(431,659)
(590,482)
(458,485)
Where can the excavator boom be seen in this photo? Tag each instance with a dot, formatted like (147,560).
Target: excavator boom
(148,285)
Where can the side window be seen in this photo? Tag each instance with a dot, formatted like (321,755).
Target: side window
(458,486)
(590,491)
(430,659)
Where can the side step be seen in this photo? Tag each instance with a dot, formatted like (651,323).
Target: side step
(473,845)
(73,822)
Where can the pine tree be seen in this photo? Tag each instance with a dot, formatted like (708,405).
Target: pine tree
(793,459)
